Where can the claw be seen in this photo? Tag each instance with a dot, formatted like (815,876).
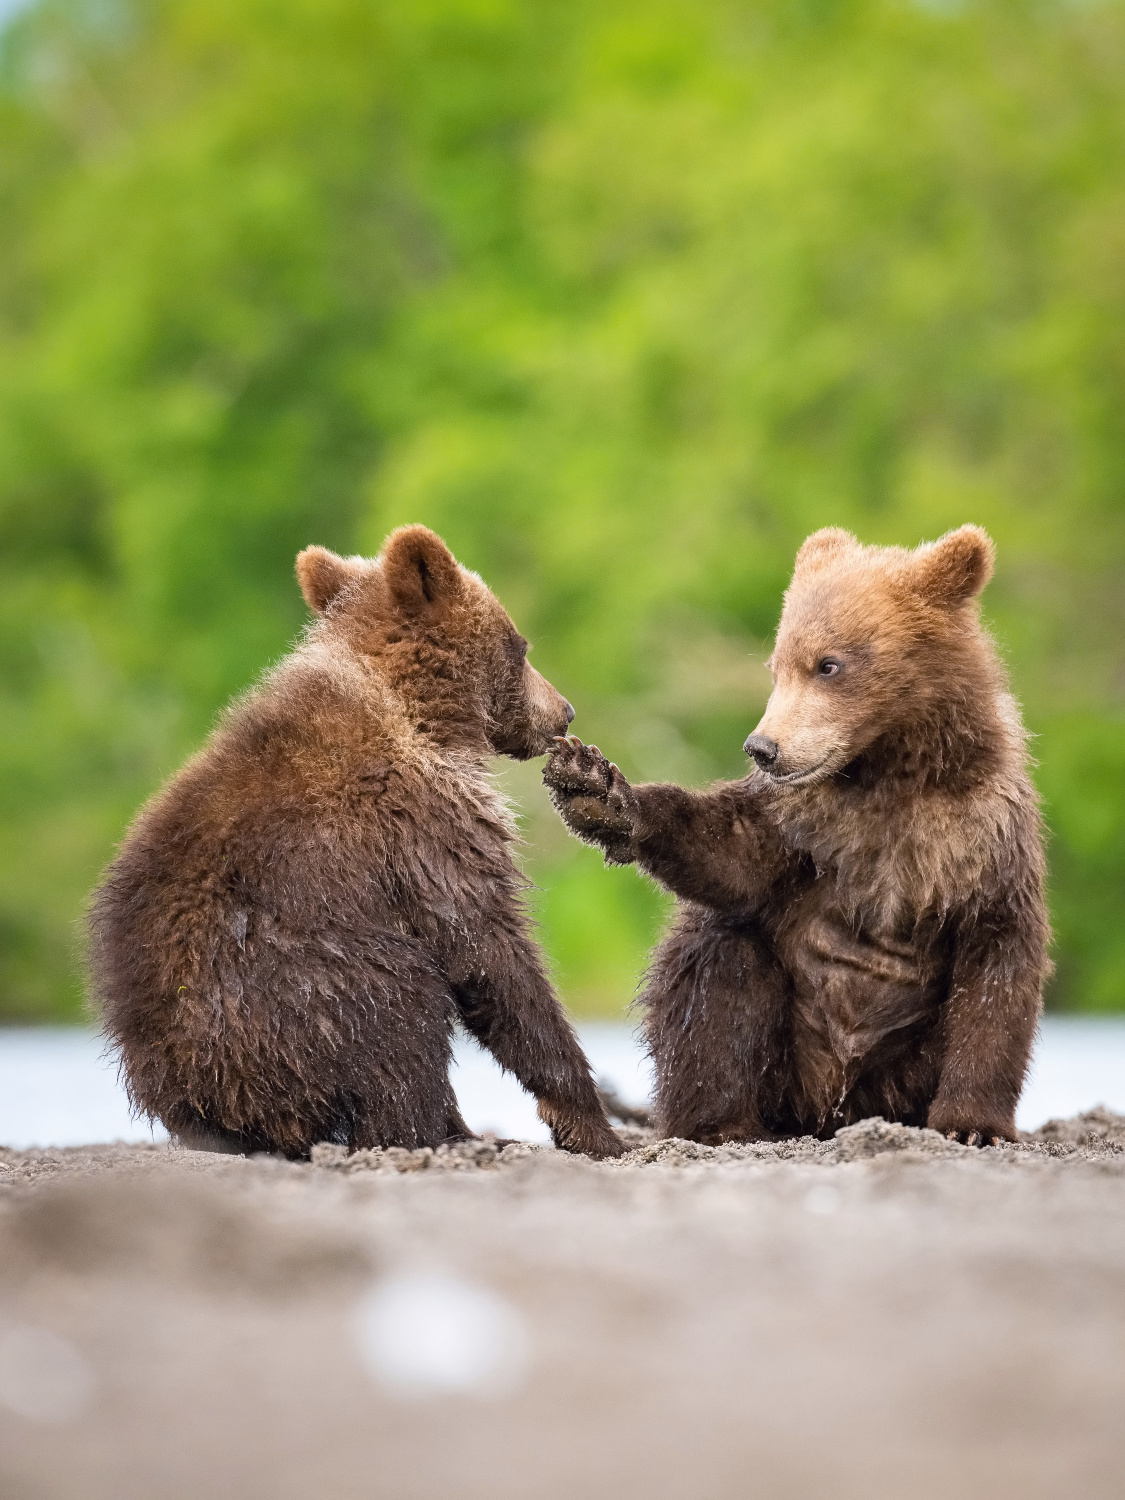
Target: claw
(974,1138)
(574,742)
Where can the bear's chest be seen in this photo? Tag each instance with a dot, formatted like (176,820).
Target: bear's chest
(857,990)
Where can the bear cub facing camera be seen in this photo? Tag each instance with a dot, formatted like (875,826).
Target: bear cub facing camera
(293,925)
(862,927)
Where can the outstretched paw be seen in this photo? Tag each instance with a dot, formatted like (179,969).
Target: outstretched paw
(589,791)
(576,769)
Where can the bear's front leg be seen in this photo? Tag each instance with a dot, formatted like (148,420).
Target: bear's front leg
(989,1024)
(719,848)
(506,1001)
(592,796)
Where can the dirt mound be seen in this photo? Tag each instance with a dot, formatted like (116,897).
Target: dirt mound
(1098,1131)
(460,1156)
(876,1137)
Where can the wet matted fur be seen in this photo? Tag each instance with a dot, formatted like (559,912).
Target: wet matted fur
(292,926)
(862,927)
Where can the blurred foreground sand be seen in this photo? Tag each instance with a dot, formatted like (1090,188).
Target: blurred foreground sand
(886,1314)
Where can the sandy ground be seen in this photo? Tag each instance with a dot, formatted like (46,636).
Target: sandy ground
(885,1315)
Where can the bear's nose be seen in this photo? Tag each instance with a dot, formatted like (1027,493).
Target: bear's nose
(763,749)
(570,713)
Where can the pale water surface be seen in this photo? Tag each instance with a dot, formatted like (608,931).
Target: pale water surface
(58,1087)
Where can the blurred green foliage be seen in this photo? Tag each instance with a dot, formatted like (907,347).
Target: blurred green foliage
(622,298)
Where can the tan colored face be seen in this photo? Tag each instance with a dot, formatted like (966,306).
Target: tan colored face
(822,711)
(865,639)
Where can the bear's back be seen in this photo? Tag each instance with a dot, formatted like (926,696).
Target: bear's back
(314,807)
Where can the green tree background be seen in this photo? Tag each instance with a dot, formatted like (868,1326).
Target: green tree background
(622,298)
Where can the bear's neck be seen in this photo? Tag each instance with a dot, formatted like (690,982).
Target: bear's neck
(946,748)
(439,708)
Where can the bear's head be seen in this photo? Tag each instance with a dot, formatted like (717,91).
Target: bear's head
(876,647)
(440,639)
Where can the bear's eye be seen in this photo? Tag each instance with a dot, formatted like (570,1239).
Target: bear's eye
(828,666)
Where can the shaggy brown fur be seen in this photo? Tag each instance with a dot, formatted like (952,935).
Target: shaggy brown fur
(862,929)
(292,926)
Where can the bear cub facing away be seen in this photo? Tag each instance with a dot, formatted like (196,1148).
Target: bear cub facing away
(862,928)
(292,926)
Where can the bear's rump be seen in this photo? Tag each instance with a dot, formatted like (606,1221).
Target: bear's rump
(275,1027)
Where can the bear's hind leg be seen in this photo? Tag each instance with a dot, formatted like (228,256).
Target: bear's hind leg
(717,1028)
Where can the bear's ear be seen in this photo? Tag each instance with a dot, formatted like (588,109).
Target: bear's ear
(824,547)
(954,568)
(421,572)
(322,575)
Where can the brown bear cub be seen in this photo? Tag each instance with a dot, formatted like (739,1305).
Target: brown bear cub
(292,926)
(862,928)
